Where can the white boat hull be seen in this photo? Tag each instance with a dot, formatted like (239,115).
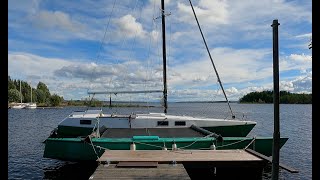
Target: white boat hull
(18,106)
(31,106)
(92,119)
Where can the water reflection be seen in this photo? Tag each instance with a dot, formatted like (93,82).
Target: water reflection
(70,170)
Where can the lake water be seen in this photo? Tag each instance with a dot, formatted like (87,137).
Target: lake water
(27,129)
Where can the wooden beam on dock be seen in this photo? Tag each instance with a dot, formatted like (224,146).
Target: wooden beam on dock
(162,171)
(269,159)
(163,156)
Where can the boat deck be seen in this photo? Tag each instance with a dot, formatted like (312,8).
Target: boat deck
(186,164)
(161,132)
(161,171)
(162,156)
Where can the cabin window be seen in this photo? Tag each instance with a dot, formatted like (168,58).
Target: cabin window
(163,123)
(179,123)
(85,121)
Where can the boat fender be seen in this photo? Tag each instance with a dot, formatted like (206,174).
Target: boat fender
(174,146)
(213,147)
(133,146)
(164,146)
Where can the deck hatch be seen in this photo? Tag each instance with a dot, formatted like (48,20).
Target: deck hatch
(85,121)
(163,123)
(179,123)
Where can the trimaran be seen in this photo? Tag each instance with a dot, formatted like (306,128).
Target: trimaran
(84,135)
(82,123)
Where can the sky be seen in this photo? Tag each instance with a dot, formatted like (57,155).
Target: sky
(109,45)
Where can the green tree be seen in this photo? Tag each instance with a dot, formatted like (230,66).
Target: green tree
(43,87)
(285,98)
(14,95)
(41,96)
(26,91)
(55,100)
(16,84)
(11,84)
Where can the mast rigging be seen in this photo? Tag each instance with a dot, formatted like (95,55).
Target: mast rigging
(214,67)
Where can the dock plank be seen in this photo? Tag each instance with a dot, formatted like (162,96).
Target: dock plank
(163,156)
(163,171)
(269,159)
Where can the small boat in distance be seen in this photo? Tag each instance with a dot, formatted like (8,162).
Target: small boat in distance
(31,105)
(19,105)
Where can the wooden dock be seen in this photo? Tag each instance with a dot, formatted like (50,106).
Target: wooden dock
(161,171)
(179,164)
(162,156)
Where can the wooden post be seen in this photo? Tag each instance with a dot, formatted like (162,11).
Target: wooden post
(164,57)
(276,133)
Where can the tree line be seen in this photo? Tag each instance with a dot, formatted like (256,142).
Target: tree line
(285,98)
(41,95)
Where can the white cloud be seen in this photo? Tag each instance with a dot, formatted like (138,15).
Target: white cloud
(300,57)
(129,27)
(232,90)
(308,35)
(237,32)
(302,84)
(63,76)
(299,62)
(33,68)
(56,19)
(233,65)
(28,64)
(207,11)
(287,86)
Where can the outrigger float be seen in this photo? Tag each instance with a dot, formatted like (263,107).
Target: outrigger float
(91,147)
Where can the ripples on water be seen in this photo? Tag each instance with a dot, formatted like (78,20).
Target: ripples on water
(27,129)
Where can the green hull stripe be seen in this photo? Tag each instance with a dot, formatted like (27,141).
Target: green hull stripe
(74,149)
(64,131)
(232,131)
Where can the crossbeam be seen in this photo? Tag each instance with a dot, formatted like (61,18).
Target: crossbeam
(124,92)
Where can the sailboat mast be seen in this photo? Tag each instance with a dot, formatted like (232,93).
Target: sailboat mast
(164,57)
(20,93)
(31,94)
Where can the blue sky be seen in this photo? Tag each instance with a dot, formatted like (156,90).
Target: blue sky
(75,46)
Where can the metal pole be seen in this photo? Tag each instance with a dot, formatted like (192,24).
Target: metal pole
(276,133)
(164,57)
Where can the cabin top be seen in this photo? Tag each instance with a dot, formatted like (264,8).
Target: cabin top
(87,113)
